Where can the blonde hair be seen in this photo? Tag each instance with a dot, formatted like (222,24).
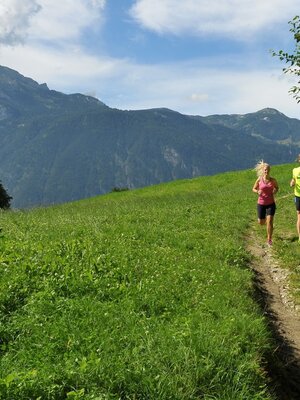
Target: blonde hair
(259,168)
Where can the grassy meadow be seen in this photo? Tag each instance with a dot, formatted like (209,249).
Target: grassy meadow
(143,294)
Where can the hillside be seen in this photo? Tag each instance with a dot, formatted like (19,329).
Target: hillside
(143,294)
(56,148)
(267,124)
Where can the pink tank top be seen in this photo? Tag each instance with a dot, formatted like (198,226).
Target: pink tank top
(266,197)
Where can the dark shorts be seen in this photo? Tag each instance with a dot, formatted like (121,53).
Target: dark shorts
(262,211)
(297,203)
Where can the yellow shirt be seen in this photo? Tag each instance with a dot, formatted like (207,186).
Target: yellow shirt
(296,176)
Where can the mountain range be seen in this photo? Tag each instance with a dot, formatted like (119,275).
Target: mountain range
(56,148)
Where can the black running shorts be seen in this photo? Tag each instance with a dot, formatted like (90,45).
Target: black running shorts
(297,203)
(262,210)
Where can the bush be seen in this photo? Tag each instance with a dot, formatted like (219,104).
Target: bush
(5,199)
(119,189)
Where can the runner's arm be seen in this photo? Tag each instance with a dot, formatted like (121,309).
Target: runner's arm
(292,183)
(256,186)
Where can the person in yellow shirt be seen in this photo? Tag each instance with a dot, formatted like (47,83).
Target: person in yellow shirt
(295,182)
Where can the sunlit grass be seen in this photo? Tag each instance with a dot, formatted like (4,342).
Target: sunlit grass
(143,294)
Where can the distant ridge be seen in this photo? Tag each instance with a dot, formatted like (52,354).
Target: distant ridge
(57,148)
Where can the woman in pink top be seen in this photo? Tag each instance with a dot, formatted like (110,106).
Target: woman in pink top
(265,187)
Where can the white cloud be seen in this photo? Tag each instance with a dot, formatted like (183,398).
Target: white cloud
(96,3)
(65,20)
(201,90)
(47,20)
(194,87)
(198,97)
(202,87)
(67,70)
(234,18)
(15,17)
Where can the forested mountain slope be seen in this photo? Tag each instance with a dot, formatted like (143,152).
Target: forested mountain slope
(56,147)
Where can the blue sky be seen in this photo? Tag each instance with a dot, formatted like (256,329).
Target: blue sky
(198,57)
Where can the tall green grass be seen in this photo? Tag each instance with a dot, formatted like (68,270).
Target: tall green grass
(143,294)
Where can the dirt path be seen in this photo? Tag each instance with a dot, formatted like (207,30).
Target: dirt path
(284,318)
